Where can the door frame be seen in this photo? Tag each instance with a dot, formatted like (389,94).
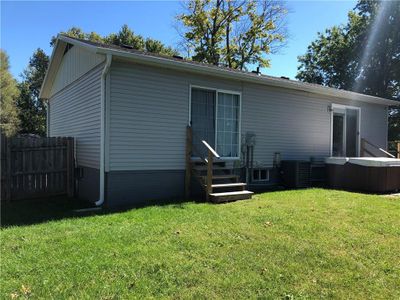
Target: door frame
(342,106)
(191,86)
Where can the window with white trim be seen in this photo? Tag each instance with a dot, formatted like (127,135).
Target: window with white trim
(260,175)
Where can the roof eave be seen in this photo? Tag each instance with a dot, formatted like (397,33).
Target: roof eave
(204,69)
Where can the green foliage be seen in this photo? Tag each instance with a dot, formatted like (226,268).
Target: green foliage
(233,33)
(155,46)
(362,56)
(125,36)
(305,244)
(32,109)
(9,121)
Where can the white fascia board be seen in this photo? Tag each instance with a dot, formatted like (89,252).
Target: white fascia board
(44,89)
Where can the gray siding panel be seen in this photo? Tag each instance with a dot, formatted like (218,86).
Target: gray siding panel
(88,187)
(149,112)
(293,124)
(298,125)
(144,187)
(75,112)
(150,107)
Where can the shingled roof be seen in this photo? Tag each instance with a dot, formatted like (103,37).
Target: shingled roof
(209,69)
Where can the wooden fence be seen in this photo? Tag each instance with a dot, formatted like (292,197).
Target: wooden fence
(36,167)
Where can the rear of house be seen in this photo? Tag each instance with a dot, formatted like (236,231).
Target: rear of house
(129,114)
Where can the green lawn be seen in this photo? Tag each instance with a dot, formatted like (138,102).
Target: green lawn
(294,244)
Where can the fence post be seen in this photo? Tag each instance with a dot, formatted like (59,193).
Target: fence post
(398,149)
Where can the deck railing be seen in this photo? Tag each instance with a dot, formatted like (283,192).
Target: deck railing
(364,149)
(209,161)
(394,148)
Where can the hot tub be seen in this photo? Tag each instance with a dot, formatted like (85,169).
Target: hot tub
(369,174)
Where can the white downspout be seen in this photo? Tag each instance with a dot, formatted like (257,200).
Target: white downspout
(102,126)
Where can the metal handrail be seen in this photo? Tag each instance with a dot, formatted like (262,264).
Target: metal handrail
(210,149)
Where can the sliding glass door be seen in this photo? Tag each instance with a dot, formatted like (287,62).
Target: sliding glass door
(215,117)
(203,109)
(228,125)
(338,142)
(345,131)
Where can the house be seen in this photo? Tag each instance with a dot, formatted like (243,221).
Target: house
(129,113)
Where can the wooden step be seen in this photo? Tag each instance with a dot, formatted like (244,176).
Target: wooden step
(228,185)
(230,196)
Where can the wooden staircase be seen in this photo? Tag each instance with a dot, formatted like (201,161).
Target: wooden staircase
(217,180)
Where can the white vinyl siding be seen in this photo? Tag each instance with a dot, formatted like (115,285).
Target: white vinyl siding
(75,63)
(75,112)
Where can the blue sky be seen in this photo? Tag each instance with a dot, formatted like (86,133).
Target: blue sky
(27,25)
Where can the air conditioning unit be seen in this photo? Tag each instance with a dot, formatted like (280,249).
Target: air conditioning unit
(296,173)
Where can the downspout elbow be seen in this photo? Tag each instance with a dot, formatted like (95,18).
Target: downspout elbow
(102,128)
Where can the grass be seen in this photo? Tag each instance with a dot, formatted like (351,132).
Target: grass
(294,244)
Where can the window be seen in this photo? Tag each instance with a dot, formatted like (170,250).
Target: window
(260,175)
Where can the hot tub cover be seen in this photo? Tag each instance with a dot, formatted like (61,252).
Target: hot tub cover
(365,161)
(375,161)
(336,160)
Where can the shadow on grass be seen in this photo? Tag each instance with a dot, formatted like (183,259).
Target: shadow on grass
(35,211)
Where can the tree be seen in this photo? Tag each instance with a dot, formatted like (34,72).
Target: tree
(362,55)
(233,33)
(32,109)
(125,36)
(76,32)
(9,121)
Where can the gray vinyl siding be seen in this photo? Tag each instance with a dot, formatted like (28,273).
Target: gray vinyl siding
(75,112)
(298,124)
(149,111)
